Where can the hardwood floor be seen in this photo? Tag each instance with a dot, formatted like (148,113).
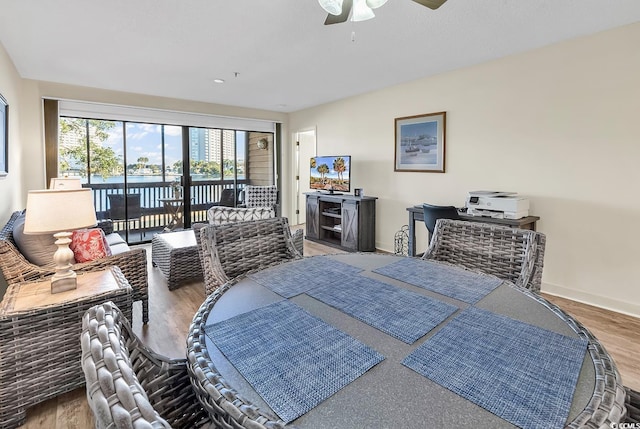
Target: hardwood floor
(171,313)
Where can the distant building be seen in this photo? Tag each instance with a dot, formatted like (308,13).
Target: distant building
(211,144)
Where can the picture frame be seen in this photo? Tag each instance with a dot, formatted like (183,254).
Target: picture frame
(420,143)
(4,137)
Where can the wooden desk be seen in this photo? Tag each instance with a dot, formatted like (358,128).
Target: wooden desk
(416,214)
(40,338)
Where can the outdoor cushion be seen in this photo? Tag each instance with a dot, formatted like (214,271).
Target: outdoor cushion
(117,243)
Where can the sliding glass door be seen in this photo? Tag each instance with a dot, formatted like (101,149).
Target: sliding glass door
(151,178)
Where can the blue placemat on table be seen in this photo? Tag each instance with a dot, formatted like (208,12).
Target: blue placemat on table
(522,373)
(398,312)
(446,280)
(292,359)
(294,278)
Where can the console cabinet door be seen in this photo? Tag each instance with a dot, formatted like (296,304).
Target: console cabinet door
(313,217)
(350,225)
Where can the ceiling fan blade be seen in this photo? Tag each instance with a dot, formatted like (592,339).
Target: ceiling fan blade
(336,19)
(431,4)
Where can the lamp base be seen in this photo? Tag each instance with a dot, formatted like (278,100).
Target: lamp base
(63,284)
(64,278)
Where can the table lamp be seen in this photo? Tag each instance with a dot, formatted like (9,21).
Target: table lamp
(65,183)
(59,211)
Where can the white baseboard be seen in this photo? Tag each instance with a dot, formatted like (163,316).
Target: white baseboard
(600,301)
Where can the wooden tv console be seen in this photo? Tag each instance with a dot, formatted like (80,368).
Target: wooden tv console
(342,220)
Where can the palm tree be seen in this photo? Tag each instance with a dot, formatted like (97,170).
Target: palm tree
(339,167)
(323,169)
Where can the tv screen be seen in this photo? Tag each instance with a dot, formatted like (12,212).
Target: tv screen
(331,173)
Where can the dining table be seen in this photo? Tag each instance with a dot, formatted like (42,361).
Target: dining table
(364,340)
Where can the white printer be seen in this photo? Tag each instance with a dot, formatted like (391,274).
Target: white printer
(496,204)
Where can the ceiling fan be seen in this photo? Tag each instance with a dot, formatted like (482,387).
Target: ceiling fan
(361,10)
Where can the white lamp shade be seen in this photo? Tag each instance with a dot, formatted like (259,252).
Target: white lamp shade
(334,7)
(361,12)
(374,4)
(65,183)
(53,210)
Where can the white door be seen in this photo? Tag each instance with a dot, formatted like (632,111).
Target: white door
(305,150)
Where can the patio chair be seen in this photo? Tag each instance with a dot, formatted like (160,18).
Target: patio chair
(133,211)
(128,385)
(235,248)
(228,198)
(511,254)
(261,196)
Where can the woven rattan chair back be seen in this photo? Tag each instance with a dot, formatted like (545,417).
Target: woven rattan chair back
(512,254)
(433,213)
(232,249)
(129,385)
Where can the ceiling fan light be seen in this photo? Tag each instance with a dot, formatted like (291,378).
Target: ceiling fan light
(374,4)
(361,12)
(334,7)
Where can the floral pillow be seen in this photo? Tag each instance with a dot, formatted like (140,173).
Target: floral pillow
(89,245)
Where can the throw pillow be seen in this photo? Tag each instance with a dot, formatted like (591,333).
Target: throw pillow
(219,215)
(89,245)
(36,248)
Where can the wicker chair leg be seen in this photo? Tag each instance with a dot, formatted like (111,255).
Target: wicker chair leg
(145,310)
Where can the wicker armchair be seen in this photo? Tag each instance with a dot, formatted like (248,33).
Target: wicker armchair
(16,268)
(129,385)
(512,254)
(221,215)
(235,248)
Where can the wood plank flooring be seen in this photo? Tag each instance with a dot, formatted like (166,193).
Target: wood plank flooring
(171,313)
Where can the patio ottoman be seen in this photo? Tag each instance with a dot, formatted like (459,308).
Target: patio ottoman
(176,255)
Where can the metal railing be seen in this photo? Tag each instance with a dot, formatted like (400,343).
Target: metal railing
(154,217)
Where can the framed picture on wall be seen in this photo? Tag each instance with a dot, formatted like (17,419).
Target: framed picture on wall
(4,136)
(419,144)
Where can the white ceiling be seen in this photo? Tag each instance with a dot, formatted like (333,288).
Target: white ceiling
(286,59)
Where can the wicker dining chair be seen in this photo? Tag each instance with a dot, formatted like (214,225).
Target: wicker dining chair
(632,403)
(511,254)
(234,248)
(128,385)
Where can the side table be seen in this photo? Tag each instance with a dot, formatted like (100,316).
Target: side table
(40,338)
(176,255)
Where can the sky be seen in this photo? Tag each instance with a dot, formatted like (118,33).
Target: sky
(144,140)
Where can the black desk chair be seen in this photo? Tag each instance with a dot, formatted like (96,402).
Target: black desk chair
(433,213)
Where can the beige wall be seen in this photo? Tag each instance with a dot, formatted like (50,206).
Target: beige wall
(558,125)
(26,157)
(11,90)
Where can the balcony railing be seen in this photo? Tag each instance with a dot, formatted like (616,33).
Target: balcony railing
(154,216)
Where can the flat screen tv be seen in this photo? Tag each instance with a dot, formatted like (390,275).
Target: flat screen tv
(331,173)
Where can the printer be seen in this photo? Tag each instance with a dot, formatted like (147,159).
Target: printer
(497,205)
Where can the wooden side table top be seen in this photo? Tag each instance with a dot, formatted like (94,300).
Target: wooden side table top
(26,296)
